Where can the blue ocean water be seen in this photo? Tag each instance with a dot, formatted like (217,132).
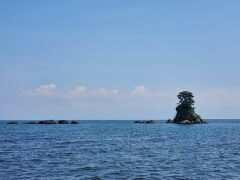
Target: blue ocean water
(120,150)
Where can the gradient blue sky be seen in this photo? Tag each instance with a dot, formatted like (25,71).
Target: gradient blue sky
(118,59)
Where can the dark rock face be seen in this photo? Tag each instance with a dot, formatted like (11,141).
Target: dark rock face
(74,122)
(204,122)
(199,121)
(145,122)
(194,121)
(63,122)
(169,121)
(47,122)
(32,122)
(12,122)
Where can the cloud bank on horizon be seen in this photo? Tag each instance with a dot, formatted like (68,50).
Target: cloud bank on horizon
(210,97)
(118,59)
(139,98)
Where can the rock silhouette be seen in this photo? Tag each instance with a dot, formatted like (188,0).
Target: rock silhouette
(186,111)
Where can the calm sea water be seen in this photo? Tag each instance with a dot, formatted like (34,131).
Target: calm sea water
(120,150)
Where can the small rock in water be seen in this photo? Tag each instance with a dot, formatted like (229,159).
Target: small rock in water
(47,122)
(32,122)
(145,122)
(12,122)
(74,122)
(63,122)
(169,121)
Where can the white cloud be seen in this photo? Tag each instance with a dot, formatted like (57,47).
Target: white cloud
(139,90)
(102,92)
(143,91)
(79,91)
(115,92)
(48,89)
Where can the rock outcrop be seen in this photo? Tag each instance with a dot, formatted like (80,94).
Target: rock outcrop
(12,122)
(186,122)
(32,122)
(198,120)
(145,122)
(74,122)
(169,121)
(47,122)
(186,111)
(63,122)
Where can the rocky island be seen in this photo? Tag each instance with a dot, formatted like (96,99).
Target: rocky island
(145,122)
(12,122)
(186,111)
(50,121)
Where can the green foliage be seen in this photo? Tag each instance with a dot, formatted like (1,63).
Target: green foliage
(186,97)
(185,109)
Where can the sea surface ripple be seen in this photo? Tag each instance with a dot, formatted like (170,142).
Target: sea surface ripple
(120,150)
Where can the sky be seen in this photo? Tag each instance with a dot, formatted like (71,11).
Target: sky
(118,59)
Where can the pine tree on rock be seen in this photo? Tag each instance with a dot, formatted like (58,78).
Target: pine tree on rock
(185,110)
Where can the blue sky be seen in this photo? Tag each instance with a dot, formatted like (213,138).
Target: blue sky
(122,59)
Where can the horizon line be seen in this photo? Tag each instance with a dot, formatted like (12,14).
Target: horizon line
(109,119)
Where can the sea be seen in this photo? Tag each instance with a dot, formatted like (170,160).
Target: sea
(118,149)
